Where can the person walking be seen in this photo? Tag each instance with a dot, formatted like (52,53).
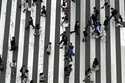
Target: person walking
(88,73)
(13,67)
(1,60)
(42,78)
(85,34)
(48,50)
(24,72)
(43,12)
(70,51)
(37,30)
(64,39)
(95,65)
(1,64)
(67,70)
(77,28)
(30,23)
(13,44)
(34,2)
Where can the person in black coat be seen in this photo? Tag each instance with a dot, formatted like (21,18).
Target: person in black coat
(106,21)
(64,38)
(30,23)
(70,51)
(13,44)
(77,27)
(86,34)
(1,60)
(87,74)
(34,2)
(43,12)
(1,64)
(96,11)
(114,12)
(68,69)
(95,65)
(106,5)
(65,18)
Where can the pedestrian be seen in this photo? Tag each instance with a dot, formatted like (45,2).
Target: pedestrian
(64,39)
(43,12)
(48,50)
(98,28)
(65,18)
(26,5)
(106,21)
(1,60)
(26,76)
(1,64)
(73,1)
(24,72)
(95,65)
(67,70)
(114,12)
(64,6)
(70,51)
(106,5)
(41,1)
(120,18)
(85,34)
(37,30)
(34,1)
(13,67)
(1,67)
(93,19)
(77,27)
(31,81)
(42,77)
(87,74)
(96,11)
(13,44)
(66,59)
(30,23)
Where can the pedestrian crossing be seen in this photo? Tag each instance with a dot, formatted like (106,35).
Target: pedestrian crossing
(31,49)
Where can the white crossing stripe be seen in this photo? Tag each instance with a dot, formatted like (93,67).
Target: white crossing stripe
(113,47)
(31,43)
(2,23)
(61,54)
(20,45)
(41,44)
(122,8)
(72,39)
(52,39)
(92,42)
(11,34)
(82,44)
(102,46)
(123,53)
(122,37)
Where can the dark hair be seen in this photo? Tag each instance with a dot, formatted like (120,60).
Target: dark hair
(41,73)
(14,61)
(49,42)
